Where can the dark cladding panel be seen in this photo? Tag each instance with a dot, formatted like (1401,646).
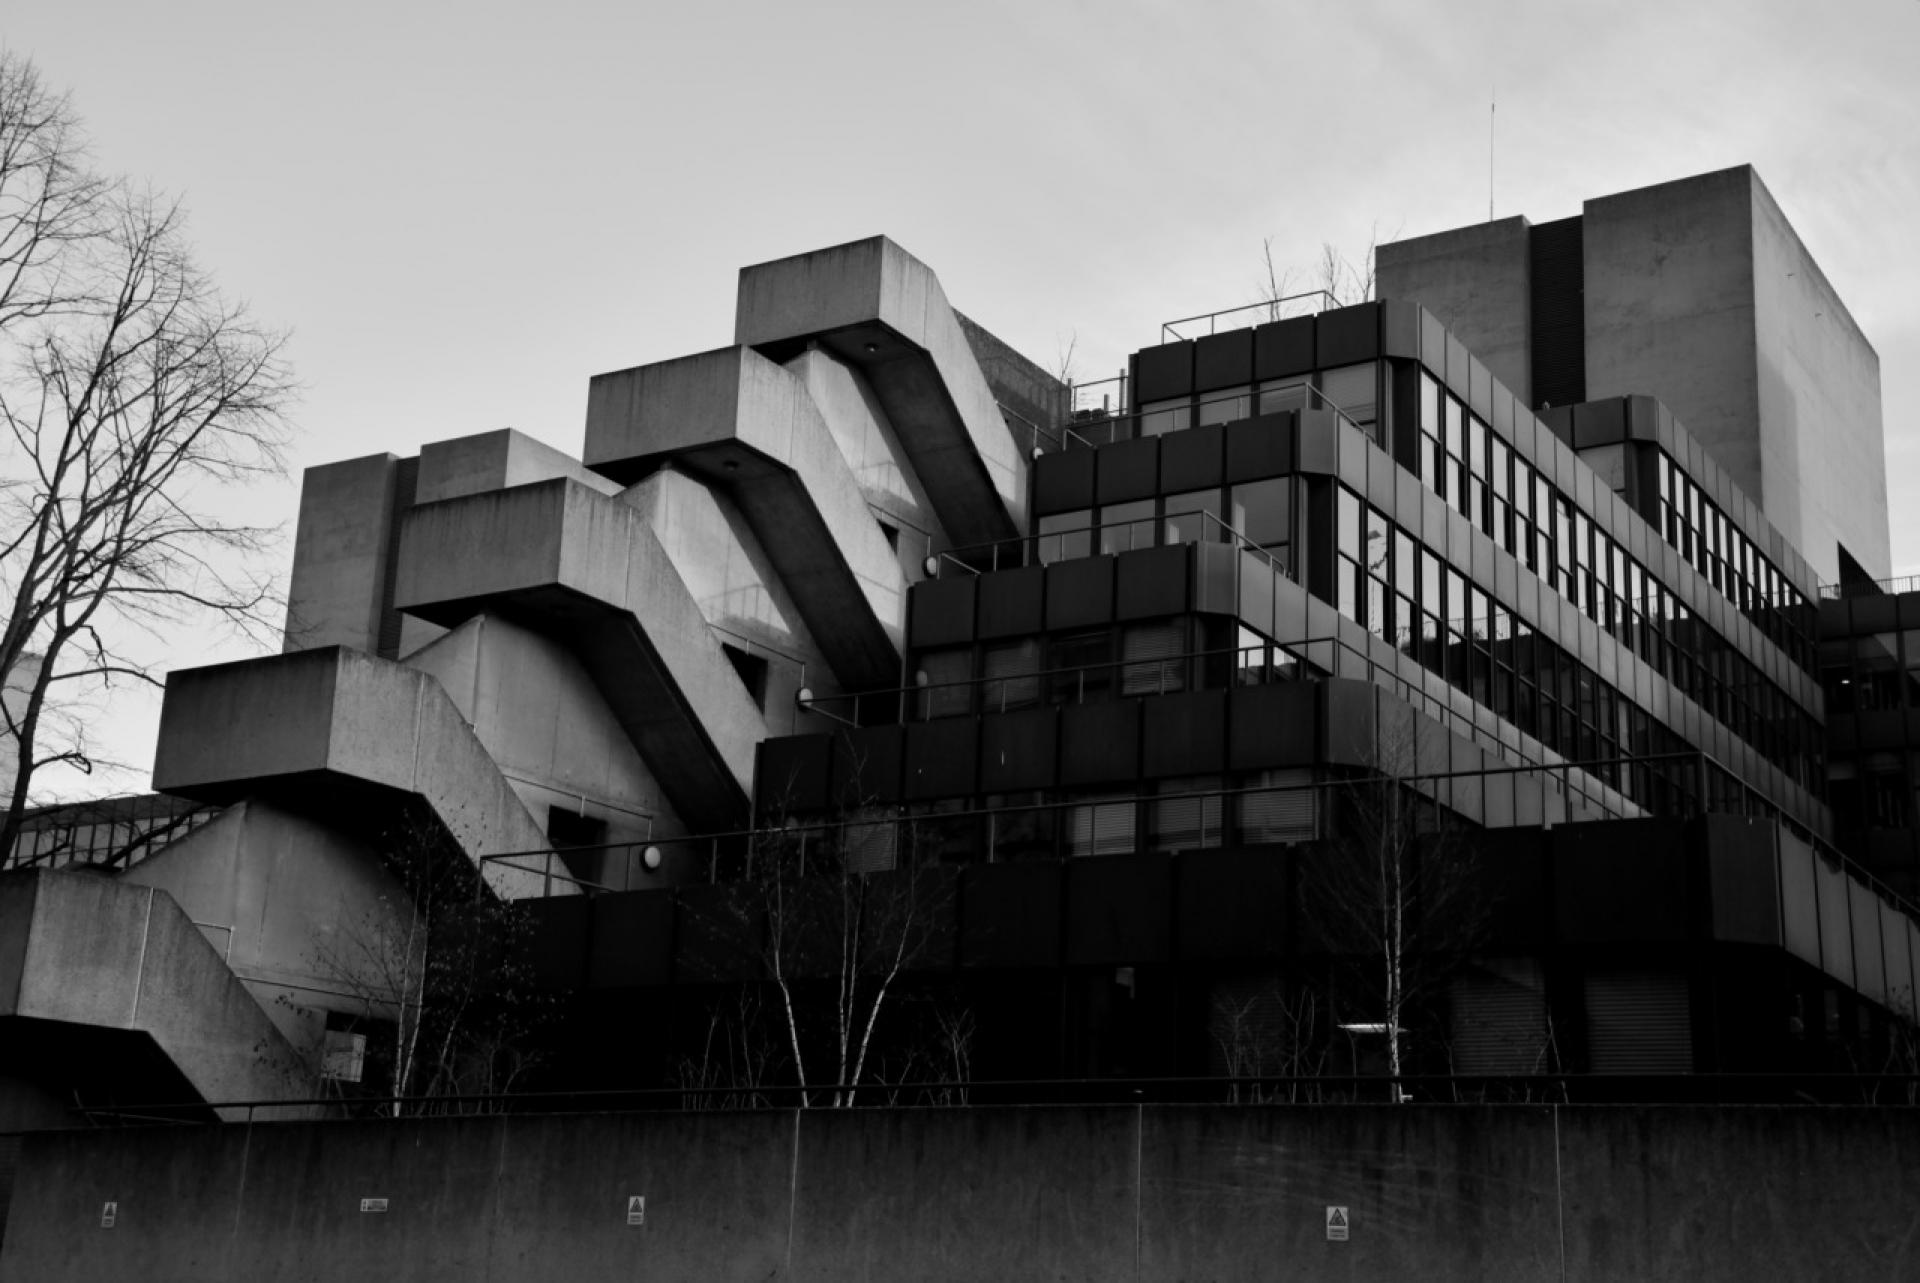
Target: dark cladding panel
(1010,914)
(1514,864)
(1260,447)
(1011,602)
(1622,881)
(1399,329)
(1080,593)
(1162,373)
(632,940)
(1100,743)
(717,934)
(940,757)
(1348,717)
(1192,460)
(1743,879)
(1599,422)
(1119,909)
(1062,482)
(1127,470)
(1184,734)
(1153,582)
(940,612)
(1231,905)
(1223,361)
(1272,726)
(1283,349)
(1347,335)
(792,773)
(1017,750)
(866,766)
(555,950)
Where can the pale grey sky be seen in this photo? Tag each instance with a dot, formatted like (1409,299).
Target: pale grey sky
(464,211)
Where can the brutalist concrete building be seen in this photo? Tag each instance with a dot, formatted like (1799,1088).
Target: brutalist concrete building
(1574,538)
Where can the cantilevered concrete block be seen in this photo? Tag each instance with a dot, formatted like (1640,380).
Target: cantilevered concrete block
(82,956)
(496,461)
(879,308)
(737,420)
(340,554)
(344,727)
(587,570)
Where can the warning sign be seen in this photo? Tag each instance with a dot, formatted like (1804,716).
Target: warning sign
(637,1210)
(1336,1224)
(109,1213)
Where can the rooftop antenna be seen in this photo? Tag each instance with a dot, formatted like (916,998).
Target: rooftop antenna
(1493,108)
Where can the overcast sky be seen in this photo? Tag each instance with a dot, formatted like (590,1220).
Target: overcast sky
(463,211)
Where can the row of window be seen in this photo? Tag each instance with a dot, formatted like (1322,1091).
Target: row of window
(1155,657)
(1352,389)
(1260,512)
(1508,500)
(1716,548)
(1403,592)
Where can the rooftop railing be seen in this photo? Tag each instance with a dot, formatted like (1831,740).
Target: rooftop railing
(1245,316)
(1225,407)
(1871,588)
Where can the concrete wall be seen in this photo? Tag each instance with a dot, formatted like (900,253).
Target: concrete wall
(83,950)
(1670,313)
(540,717)
(340,554)
(1821,436)
(1476,280)
(495,461)
(279,896)
(1098,1193)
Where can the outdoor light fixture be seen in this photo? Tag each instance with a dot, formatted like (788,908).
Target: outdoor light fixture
(803,696)
(651,857)
(932,566)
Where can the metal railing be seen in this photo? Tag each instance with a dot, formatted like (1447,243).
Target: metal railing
(1878,1090)
(1245,316)
(1871,588)
(1139,532)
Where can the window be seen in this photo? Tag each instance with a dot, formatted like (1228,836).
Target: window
(1100,826)
(1152,658)
(1160,417)
(1066,535)
(1011,672)
(1355,389)
(1187,823)
(1125,526)
(1081,667)
(752,670)
(1192,516)
(1263,512)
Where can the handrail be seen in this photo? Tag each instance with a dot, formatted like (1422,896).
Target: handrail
(1870,588)
(1270,306)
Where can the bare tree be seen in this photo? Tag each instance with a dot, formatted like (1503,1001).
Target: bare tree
(440,968)
(128,387)
(846,913)
(1399,894)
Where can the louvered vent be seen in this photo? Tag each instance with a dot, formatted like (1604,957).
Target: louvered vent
(1637,1023)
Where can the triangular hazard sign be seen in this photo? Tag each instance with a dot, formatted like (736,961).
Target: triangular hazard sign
(1336,1218)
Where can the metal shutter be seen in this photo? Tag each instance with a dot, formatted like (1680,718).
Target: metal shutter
(1500,1019)
(1637,1023)
(1152,656)
(1282,810)
(1100,828)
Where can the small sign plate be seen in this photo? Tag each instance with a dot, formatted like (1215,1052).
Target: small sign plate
(109,1213)
(637,1210)
(1337,1224)
(373,1204)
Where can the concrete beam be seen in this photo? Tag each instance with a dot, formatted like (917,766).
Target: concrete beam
(587,570)
(738,421)
(882,310)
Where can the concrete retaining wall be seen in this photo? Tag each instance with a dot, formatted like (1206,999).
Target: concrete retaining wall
(1161,1192)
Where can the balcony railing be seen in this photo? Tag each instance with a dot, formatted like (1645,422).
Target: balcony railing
(1225,407)
(1245,316)
(1871,588)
